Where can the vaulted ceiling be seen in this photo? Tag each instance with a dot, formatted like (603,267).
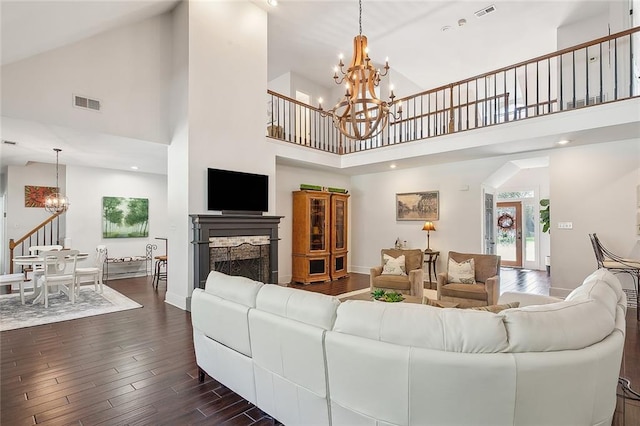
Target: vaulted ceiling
(305,37)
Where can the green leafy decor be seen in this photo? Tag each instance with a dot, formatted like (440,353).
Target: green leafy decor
(384,296)
(545,219)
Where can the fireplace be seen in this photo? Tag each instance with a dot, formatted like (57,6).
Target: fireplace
(236,245)
(244,256)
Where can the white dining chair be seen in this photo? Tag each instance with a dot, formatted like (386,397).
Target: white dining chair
(10,279)
(38,270)
(59,270)
(94,271)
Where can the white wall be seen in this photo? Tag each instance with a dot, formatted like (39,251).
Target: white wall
(179,273)
(281,84)
(21,219)
(127,69)
(288,179)
(87,186)
(595,188)
(373,200)
(226,120)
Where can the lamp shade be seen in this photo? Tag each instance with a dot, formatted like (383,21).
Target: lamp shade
(429,226)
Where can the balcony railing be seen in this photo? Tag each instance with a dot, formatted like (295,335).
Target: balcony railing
(588,74)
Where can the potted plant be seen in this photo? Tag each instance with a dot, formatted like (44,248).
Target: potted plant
(384,296)
(544,215)
(545,220)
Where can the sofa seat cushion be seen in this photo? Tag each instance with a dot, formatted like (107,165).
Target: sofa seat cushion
(475,291)
(396,282)
(422,326)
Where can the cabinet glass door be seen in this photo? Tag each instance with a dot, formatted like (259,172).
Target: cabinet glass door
(340,225)
(317,223)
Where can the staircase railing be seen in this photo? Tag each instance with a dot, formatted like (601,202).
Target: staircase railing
(588,74)
(46,233)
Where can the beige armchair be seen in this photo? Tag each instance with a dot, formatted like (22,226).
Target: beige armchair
(411,283)
(484,292)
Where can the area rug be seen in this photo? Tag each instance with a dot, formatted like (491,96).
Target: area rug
(13,314)
(345,296)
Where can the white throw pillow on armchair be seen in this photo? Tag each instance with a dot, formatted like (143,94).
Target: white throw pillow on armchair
(393,265)
(463,272)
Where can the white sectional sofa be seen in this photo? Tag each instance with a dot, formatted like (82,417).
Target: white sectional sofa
(307,359)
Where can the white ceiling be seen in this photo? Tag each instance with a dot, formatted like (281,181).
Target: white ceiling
(304,37)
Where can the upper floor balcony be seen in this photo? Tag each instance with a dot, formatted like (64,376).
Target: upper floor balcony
(599,72)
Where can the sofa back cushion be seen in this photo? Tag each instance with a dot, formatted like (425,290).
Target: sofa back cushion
(307,307)
(413,258)
(236,289)
(220,310)
(452,330)
(486,265)
(603,286)
(566,325)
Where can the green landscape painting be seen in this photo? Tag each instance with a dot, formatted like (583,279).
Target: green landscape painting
(125,217)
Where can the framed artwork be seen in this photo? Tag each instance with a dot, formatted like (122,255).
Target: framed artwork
(125,217)
(34,196)
(417,206)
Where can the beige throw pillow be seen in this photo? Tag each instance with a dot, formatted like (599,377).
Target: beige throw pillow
(496,308)
(463,272)
(393,265)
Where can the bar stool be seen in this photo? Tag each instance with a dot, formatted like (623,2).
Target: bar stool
(159,274)
(11,279)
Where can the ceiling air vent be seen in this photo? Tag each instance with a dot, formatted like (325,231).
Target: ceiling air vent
(485,10)
(82,102)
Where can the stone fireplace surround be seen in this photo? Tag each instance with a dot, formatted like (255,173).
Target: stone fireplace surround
(208,229)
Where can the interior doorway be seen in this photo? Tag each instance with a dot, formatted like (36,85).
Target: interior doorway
(509,233)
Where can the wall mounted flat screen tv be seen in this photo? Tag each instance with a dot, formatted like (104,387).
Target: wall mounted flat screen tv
(237,192)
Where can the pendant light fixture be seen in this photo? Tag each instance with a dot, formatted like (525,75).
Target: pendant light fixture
(56,202)
(361,114)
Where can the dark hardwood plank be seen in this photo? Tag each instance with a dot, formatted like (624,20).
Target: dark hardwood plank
(138,367)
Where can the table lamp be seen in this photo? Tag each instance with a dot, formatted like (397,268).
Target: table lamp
(428,226)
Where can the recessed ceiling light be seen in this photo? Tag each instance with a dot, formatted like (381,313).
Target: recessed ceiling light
(393,166)
(272,2)
(462,22)
(445,28)
(134,167)
(563,142)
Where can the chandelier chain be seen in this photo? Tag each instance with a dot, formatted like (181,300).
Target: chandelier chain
(360,15)
(57,152)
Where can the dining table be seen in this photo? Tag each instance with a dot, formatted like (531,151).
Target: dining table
(33,261)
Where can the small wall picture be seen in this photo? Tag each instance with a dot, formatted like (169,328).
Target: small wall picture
(417,206)
(34,196)
(125,217)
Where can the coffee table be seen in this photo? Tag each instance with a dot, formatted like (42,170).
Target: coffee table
(407,299)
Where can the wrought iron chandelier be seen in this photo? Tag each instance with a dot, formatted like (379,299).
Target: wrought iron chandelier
(361,114)
(56,202)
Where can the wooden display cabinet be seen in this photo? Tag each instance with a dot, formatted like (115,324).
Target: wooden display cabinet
(339,227)
(311,236)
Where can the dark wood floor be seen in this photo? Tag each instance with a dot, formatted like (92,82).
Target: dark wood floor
(138,367)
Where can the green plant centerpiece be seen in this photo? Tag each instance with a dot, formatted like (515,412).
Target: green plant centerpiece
(545,219)
(386,296)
